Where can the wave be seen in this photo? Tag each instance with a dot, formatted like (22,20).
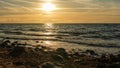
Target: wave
(46,35)
(107,45)
(93,44)
(16,38)
(12,32)
(32,33)
(71,34)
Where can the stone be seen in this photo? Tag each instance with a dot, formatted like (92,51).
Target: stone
(48,65)
(62,52)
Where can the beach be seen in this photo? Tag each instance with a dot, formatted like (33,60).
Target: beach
(59,45)
(14,55)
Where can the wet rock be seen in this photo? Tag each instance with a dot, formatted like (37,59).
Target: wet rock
(8,64)
(17,51)
(100,65)
(5,43)
(78,61)
(31,64)
(58,58)
(38,48)
(112,58)
(91,52)
(48,65)
(37,41)
(14,43)
(118,55)
(113,66)
(22,66)
(62,52)
(18,63)
(103,59)
(77,54)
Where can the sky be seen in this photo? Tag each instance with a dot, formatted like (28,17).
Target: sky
(68,11)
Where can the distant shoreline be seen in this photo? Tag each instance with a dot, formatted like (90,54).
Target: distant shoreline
(61,23)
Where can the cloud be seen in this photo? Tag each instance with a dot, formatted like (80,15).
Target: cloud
(72,4)
(82,9)
(100,3)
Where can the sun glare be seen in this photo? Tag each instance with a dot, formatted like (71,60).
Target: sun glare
(48,25)
(48,7)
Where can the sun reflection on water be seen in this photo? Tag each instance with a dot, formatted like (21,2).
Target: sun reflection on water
(48,33)
(48,28)
(47,42)
(48,25)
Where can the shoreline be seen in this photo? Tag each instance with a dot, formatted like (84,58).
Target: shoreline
(60,44)
(84,23)
(15,56)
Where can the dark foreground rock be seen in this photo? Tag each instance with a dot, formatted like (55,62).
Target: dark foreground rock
(48,65)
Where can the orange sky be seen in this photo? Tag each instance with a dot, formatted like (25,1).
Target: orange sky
(75,11)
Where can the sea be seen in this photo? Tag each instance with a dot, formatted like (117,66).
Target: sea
(103,38)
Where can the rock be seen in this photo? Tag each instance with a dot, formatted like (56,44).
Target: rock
(112,58)
(5,43)
(114,66)
(76,54)
(62,52)
(31,64)
(103,59)
(37,41)
(14,43)
(78,61)
(17,51)
(8,41)
(118,55)
(38,48)
(58,58)
(100,65)
(22,66)
(48,65)
(8,64)
(18,63)
(90,52)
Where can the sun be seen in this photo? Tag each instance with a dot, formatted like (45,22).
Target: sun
(48,7)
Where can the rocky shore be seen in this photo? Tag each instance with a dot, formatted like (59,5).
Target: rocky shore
(17,55)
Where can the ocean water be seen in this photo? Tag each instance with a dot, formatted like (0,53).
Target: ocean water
(103,38)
